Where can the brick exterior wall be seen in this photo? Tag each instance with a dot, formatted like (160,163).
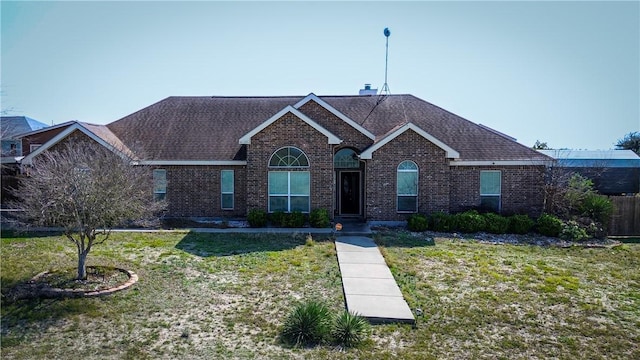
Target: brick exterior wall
(41,138)
(349,135)
(194,191)
(290,131)
(381,175)
(522,188)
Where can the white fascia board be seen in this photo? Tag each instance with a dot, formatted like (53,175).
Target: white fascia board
(191,162)
(56,139)
(335,112)
(11,159)
(332,139)
(450,152)
(52,127)
(500,163)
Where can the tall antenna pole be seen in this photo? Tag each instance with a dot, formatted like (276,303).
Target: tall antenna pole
(385,88)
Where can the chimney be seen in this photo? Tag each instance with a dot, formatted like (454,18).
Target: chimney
(368,90)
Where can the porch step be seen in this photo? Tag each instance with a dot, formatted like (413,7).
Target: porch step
(353,228)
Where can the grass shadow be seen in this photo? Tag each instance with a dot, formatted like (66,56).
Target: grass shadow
(228,244)
(26,233)
(35,315)
(403,239)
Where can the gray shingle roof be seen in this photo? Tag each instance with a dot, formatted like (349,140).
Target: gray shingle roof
(16,125)
(208,128)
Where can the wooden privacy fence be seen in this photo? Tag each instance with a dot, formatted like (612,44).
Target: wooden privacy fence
(625,220)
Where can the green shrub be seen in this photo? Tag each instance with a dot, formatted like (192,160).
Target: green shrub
(349,329)
(571,230)
(597,207)
(308,324)
(495,223)
(470,222)
(319,218)
(520,224)
(277,218)
(294,219)
(442,222)
(257,218)
(418,223)
(549,225)
(578,189)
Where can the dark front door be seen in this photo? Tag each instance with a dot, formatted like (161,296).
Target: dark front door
(350,193)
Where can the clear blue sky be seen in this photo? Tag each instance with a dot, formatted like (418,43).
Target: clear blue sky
(567,73)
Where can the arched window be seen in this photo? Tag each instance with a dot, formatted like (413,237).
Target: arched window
(289,188)
(407,187)
(289,157)
(346,159)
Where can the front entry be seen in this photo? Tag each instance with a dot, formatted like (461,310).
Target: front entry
(349,193)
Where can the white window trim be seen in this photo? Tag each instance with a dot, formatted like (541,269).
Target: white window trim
(232,192)
(417,171)
(288,167)
(288,194)
(498,195)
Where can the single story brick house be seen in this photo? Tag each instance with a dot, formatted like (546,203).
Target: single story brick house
(370,157)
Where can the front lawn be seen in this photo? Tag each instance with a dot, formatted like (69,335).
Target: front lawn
(226,295)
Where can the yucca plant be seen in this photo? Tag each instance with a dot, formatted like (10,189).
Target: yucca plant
(308,324)
(350,329)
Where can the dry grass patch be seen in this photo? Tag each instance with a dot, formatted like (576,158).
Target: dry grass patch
(517,301)
(226,296)
(199,296)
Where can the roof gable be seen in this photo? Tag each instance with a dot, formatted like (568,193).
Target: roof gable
(331,138)
(368,153)
(206,128)
(103,137)
(384,114)
(334,111)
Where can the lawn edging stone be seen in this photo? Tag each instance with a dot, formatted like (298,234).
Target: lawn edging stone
(50,292)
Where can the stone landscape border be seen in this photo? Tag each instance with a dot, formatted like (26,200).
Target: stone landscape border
(58,292)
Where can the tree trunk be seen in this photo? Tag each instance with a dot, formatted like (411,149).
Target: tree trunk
(82,265)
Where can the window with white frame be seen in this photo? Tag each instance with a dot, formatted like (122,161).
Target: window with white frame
(289,157)
(490,189)
(289,185)
(346,159)
(159,184)
(407,187)
(227,189)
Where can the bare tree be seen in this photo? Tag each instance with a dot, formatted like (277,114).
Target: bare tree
(87,190)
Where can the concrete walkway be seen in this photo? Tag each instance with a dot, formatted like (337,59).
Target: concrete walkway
(369,287)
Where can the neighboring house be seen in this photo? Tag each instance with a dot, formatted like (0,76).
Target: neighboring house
(11,127)
(368,157)
(613,172)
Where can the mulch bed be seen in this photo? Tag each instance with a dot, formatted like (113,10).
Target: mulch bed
(101,280)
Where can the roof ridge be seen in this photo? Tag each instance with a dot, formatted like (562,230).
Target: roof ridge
(480,126)
(254,97)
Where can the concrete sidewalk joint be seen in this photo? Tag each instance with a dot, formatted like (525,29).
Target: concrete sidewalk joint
(369,287)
